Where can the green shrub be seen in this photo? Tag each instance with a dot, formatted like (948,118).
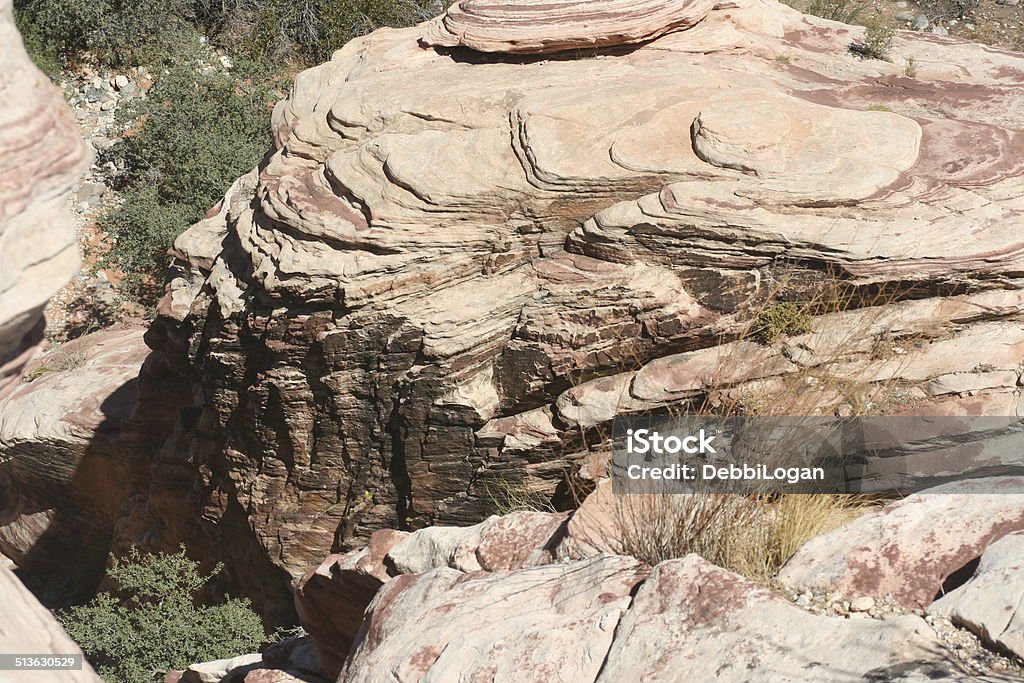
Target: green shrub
(307,30)
(118,32)
(157,626)
(781,320)
(197,132)
(877,42)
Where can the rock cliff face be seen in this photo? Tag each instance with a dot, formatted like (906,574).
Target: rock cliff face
(469,248)
(41,154)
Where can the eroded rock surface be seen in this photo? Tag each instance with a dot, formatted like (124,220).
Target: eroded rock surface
(989,603)
(63,476)
(457,265)
(332,598)
(576,623)
(915,549)
(42,155)
(541,26)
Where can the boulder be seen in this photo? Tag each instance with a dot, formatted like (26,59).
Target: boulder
(550,623)
(610,618)
(331,600)
(63,477)
(989,603)
(693,621)
(43,156)
(458,264)
(915,549)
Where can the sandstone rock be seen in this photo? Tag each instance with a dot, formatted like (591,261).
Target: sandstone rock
(902,551)
(551,623)
(27,627)
(688,620)
(457,265)
(989,603)
(42,156)
(332,598)
(693,621)
(535,26)
(63,478)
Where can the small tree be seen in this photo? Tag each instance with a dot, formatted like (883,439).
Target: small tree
(157,625)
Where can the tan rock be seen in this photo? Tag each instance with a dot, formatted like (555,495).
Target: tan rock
(28,627)
(989,602)
(550,623)
(64,478)
(42,157)
(536,26)
(693,621)
(904,551)
(457,265)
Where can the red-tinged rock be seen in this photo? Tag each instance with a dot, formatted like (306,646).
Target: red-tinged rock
(915,549)
(542,624)
(541,26)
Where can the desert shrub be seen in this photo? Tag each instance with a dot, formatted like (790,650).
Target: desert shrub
(845,11)
(751,535)
(118,32)
(780,320)
(196,132)
(156,625)
(307,30)
(877,42)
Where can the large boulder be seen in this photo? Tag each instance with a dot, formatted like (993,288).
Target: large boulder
(63,477)
(915,549)
(383,321)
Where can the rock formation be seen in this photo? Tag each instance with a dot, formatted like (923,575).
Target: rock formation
(538,27)
(989,603)
(902,552)
(458,263)
(63,474)
(40,156)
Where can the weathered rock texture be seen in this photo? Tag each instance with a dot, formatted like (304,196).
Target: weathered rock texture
(332,598)
(27,627)
(990,602)
(457,265)
(539,26)
(63,475)
(915,549)
(41,155)
(612,619)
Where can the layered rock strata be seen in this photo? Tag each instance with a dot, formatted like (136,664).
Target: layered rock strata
(42,155)
(457,265)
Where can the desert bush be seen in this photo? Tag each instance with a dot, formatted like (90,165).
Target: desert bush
(877,42)
(156,625)
(780,320)
(307,30)
(196,132)
(118,32)
(752,535)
